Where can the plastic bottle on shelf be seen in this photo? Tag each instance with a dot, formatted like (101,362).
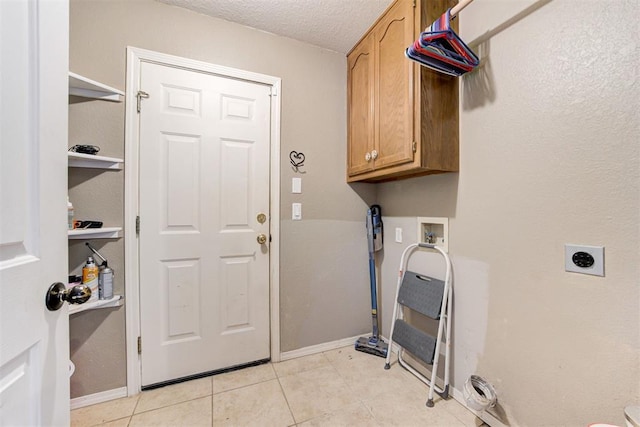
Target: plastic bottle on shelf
(70,214)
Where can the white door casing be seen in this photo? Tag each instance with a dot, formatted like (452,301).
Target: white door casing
(34,342)
(194,235)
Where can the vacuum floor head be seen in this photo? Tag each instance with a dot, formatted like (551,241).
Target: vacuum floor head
(372,345)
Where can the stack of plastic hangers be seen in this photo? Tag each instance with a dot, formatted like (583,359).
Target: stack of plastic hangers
(441,49)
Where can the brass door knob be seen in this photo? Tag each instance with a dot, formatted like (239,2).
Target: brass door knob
(262,239)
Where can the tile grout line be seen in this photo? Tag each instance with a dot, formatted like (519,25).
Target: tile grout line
(110,421)
(295,422)
(168,405)
(360,400)
(327,360)
(135,407)
(244,386)
(212,413)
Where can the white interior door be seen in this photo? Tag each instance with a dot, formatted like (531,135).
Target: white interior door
(204,181)
(34,342)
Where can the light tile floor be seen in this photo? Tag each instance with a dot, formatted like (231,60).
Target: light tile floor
(340,387)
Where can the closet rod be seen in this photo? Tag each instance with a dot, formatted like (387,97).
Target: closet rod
(457,8)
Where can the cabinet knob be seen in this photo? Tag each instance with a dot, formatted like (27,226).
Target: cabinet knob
(367,157)
(374,154)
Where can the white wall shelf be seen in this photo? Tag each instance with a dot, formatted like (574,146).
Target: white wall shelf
(81,160)
(95,233)
(87,88)
(116,301)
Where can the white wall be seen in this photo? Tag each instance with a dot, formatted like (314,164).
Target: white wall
(550,137)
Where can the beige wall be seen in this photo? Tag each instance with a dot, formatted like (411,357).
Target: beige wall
(550,138)
(324,283)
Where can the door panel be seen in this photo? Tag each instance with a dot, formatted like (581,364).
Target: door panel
(204,177)
(360,99)
(394,90)
(180,202)
(179,282)
(34,342)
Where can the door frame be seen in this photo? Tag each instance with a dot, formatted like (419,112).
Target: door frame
(135,56)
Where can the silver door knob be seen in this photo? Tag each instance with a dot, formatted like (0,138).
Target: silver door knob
(367,157)
(374,154)
(262,239)
(58,294)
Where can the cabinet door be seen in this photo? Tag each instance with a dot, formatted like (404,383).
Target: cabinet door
(394,102)
(360,106)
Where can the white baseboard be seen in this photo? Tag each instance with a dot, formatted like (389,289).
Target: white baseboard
(319,348)
(103,396)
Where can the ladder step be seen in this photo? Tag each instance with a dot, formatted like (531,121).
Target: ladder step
(415,341)
(422,294)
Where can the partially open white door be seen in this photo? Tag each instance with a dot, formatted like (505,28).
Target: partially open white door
(34,342)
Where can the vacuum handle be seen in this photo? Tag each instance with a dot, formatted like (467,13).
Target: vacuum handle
(369,224)
(377,227)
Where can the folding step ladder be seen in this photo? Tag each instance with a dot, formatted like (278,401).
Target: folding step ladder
(432,298)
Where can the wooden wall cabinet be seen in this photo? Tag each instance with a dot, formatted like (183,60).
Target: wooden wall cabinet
(402,117)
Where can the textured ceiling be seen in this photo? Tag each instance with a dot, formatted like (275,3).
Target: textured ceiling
(332,24)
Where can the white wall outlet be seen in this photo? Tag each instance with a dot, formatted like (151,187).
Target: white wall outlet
(296,211)
(296,185)
(398,235)
(584,259)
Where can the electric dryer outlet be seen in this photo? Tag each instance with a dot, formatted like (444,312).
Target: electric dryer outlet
(584,259)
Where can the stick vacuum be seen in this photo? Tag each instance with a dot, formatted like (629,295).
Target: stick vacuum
(374,344)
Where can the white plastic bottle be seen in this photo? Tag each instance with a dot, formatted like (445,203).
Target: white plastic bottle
(69,214)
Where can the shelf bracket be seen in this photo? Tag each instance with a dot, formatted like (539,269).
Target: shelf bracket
(141,94)
(138,225)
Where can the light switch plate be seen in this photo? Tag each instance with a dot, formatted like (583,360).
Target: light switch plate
(296,211)
(296,185)
(584,259)
(398,235)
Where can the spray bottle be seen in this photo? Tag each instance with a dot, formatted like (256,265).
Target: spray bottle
(90,278)
(105,277)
